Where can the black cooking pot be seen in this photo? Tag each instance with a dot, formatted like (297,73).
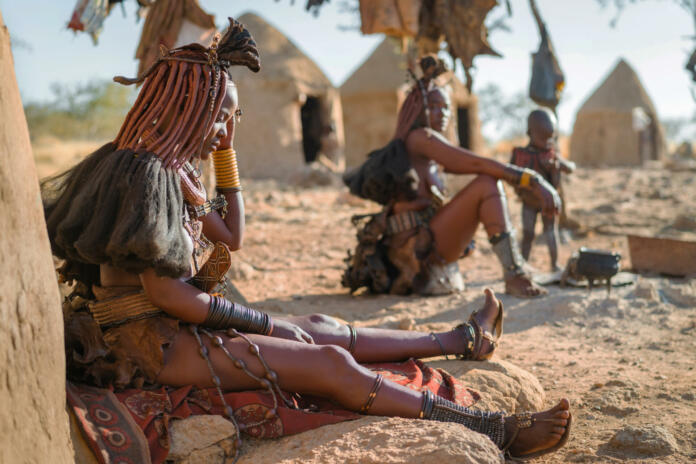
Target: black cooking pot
(597,264)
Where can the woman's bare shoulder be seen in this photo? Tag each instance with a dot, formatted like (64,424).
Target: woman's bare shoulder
(424,140)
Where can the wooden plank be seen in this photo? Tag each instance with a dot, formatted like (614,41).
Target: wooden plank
(664,255)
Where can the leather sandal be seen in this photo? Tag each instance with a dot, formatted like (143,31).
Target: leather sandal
(524,421)
(474,336)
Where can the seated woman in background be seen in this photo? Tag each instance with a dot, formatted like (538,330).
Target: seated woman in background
(414,244)
(145,245)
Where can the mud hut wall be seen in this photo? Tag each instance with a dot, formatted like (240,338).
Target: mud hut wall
(476,141)
(268,139)
(333,102)
(33,423)
(369,120)
(604,139)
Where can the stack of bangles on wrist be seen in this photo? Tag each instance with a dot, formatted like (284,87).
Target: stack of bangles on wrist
(520,177)
(223,314)
(226,171)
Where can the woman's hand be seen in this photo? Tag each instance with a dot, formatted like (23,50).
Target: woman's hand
(227,141)
(546,195)
(290,331)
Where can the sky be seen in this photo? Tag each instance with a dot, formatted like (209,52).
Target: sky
(653,36)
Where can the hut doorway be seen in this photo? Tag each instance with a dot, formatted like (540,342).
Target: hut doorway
(311,128)
(463,127)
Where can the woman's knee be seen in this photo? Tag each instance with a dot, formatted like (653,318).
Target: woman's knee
(322,320)
(322,326)
(338,361)
(486,183)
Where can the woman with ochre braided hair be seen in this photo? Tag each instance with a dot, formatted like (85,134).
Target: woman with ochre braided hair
(145,246)
(421,236)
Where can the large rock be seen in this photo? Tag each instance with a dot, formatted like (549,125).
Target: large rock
(375,440)
(502,385)
(644,441)
(191,436)
(33,423)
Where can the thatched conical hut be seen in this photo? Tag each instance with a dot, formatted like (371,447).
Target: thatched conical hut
(618,124)
(291,111)
(371,97)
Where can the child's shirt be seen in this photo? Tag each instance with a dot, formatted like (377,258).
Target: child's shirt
(545,162)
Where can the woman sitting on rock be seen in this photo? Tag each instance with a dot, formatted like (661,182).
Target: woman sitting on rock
(145,245)
(414,244)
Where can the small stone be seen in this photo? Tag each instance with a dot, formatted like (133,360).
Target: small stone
(646,290)
(660,377)
(644,441)
(688,396)
(597,385)
(407,324)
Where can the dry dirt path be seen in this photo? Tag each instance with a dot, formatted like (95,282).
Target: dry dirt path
(626,362)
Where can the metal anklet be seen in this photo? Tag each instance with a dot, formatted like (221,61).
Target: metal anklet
(373,393)
(353,338)
(436,339)
(491,424)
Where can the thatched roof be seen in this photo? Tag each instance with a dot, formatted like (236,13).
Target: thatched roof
(383,71)
(281,60)
(621,91)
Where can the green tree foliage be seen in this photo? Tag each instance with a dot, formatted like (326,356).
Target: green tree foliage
(92,111)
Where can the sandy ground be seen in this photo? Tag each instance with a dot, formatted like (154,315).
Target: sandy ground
(622,360)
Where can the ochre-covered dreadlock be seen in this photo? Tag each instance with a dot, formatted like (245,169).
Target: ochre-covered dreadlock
(415,105)
(181,96)
(122,205)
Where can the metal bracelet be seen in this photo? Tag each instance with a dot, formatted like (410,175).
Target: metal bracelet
(219,203)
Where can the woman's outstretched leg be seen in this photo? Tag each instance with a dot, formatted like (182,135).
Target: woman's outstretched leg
(483,201)
(382,345)
(331,372)
(327,371)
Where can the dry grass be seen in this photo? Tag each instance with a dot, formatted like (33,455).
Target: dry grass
(53,155)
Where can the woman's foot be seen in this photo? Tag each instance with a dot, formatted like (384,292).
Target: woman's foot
(522,286)
(485,325)
(547,430)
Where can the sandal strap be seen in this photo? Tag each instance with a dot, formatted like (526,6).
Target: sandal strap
(523,420)
(469,333)
(474,336)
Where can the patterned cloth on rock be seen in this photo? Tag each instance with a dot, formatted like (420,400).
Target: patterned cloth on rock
(120,426)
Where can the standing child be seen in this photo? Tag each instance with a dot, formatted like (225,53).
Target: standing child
(540,155)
